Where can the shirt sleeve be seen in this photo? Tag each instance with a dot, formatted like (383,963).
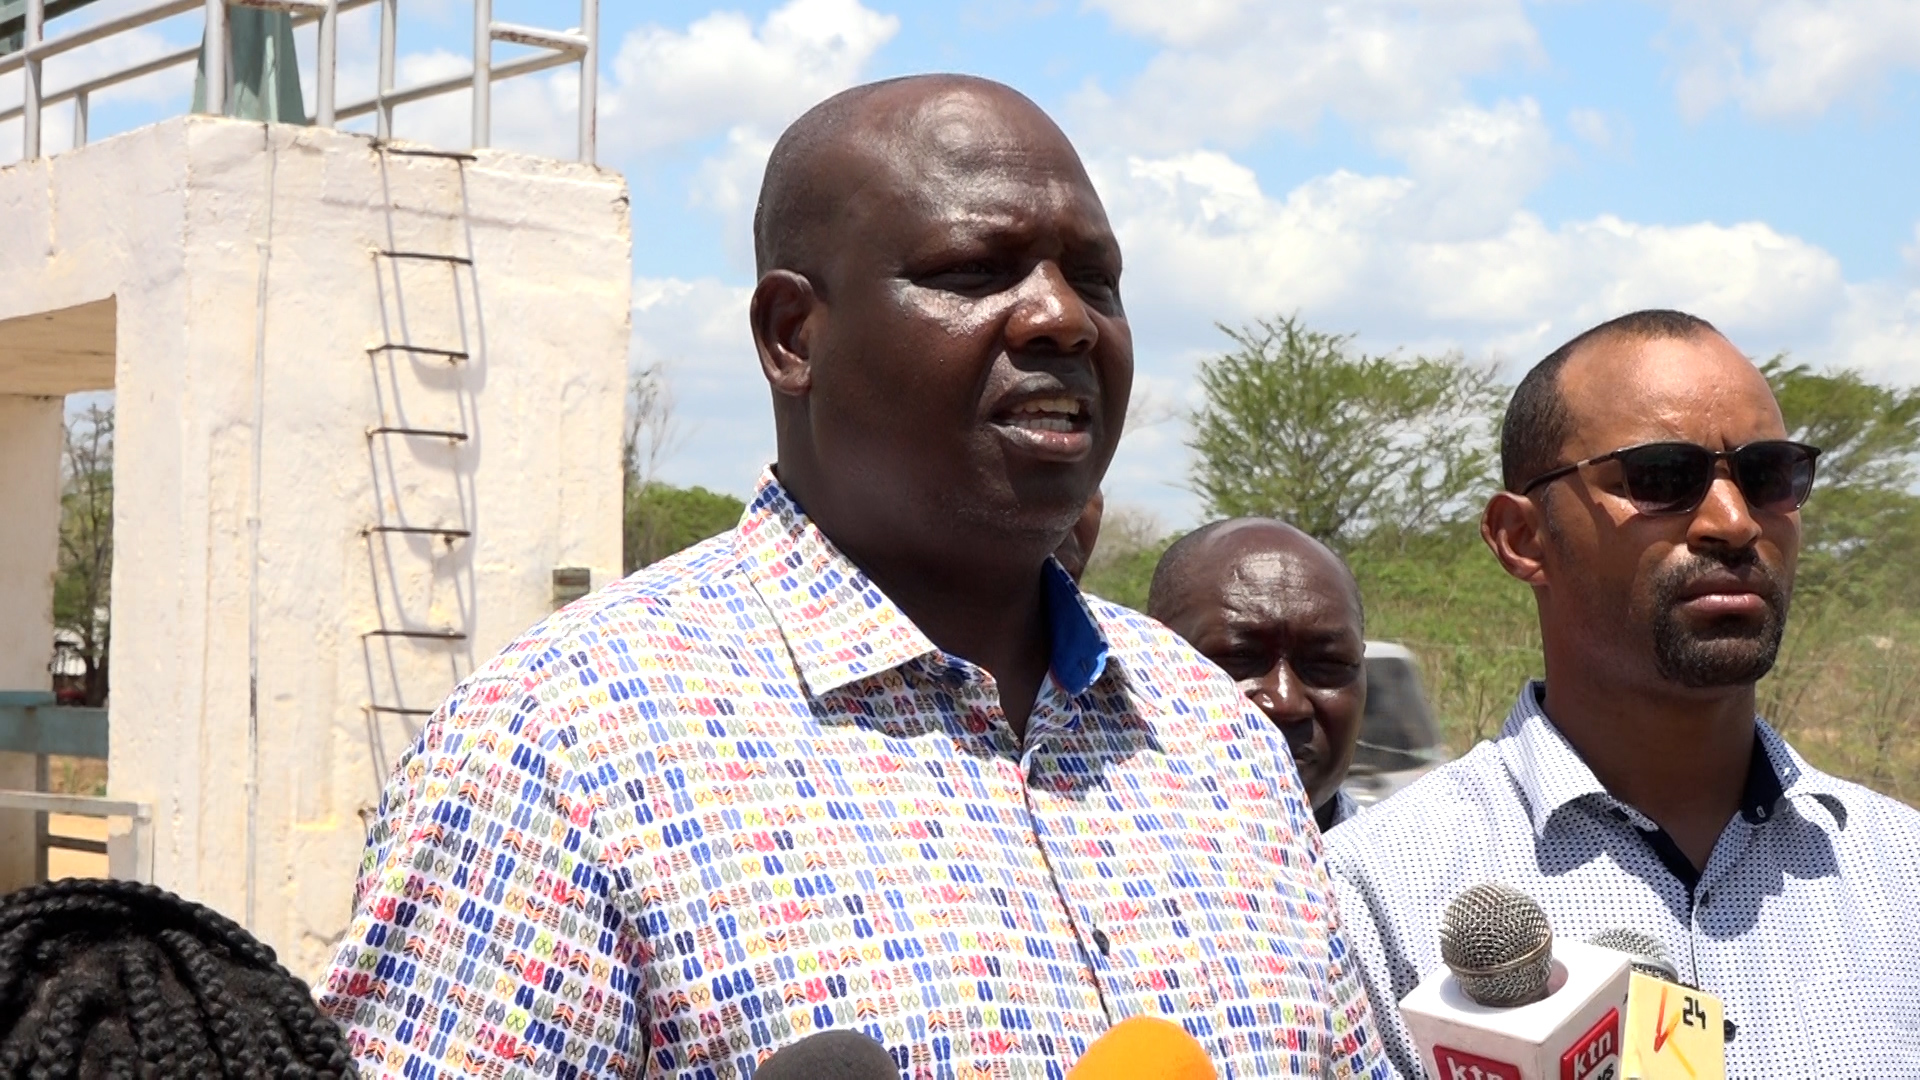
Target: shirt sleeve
(1365,963)
(487,935)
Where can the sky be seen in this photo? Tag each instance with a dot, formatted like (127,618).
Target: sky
(1487,176)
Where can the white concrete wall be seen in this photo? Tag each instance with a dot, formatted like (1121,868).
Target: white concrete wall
(30,444)
(187,224)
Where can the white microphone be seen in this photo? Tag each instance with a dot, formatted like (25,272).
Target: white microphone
(1510,1004)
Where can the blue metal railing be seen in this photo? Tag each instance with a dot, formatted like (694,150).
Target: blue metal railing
(30,723)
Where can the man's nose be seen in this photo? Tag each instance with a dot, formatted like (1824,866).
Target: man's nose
(1724,519)
(1049,313)
(1280,694)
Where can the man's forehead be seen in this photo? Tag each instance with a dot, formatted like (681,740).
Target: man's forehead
(1273,555)
(952,150)
(958,119)
(1694,387)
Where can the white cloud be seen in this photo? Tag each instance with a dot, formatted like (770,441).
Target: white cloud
(1877,331)
(1235,69)
(723,72)
(697,331)
(1790,58)
(1592,127)
(1349,252)
(1471,166)
(728,186)
(725,75)
(1355,252)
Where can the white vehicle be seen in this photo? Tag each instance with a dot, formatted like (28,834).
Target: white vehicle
(1399,740)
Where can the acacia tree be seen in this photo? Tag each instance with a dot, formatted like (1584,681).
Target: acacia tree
(1300,425)
(652,434)
(85,569)
(658,518)
(1869,435)
(1862,526)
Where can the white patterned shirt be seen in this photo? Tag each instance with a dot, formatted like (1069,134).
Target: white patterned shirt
(1805,921)
(739,797)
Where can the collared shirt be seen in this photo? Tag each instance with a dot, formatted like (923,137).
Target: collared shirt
(1805,921)
(739,797)
(1345,808)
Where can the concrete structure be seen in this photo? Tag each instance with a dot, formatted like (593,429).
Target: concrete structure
(261,298)
(30,444)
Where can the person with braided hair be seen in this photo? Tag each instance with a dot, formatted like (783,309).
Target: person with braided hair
(119,979)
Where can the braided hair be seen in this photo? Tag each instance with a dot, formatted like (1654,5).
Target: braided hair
(118,979)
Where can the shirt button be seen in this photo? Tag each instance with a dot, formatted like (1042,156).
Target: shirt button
(1704,897)
(1100,941)
(1617,814)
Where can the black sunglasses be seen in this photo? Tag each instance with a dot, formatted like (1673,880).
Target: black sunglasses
(1775,475)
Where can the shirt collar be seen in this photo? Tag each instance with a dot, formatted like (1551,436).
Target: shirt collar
(1345,808)
(1080,648)
(841,628)
(1552,774)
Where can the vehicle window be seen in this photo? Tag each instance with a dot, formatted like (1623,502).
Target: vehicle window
(1397,731)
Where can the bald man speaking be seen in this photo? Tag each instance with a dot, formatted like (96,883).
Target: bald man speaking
(870,760)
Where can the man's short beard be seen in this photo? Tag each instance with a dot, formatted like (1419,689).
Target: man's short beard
(1726,654)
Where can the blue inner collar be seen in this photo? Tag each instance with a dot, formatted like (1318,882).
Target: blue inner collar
(1080,650)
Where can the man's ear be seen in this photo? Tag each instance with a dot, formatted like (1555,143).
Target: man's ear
(781,313)
(1514,528)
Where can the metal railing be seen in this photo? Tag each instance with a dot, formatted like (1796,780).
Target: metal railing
(556,48)
(31,724)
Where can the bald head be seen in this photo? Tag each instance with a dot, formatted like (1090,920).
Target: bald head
(824,158)
(1538,422)
(939,321)
(1200,559)
(1279,613)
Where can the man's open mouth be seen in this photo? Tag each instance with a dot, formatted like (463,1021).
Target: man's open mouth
(1057,414)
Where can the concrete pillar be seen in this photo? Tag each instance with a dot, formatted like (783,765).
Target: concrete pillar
(30,444)
(278,291)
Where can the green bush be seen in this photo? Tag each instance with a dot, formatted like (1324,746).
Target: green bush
(662,519)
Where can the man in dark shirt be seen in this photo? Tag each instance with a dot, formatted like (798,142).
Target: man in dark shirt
(1280,613)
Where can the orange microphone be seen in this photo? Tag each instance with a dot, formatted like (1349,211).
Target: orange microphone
(1144,1048)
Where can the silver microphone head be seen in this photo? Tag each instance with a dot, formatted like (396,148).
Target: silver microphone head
(1498,944)
(1648,953)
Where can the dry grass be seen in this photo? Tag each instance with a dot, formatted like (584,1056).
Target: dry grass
(1850,706)
(76,776)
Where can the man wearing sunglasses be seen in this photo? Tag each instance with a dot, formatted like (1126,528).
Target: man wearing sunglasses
(1652,503)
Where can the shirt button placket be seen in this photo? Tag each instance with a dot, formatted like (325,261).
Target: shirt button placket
(1039,759)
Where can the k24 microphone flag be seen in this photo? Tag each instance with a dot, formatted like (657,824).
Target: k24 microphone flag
(1673,1032)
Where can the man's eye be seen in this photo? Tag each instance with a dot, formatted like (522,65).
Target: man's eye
(1329,673)
(1242,665)
(1097,286)
(966,277)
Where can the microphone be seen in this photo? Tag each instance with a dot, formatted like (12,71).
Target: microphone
(1673,1031)
(1144,1048)
(830,1055)
(1497,942)
(1511,1004)
(1647,954)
